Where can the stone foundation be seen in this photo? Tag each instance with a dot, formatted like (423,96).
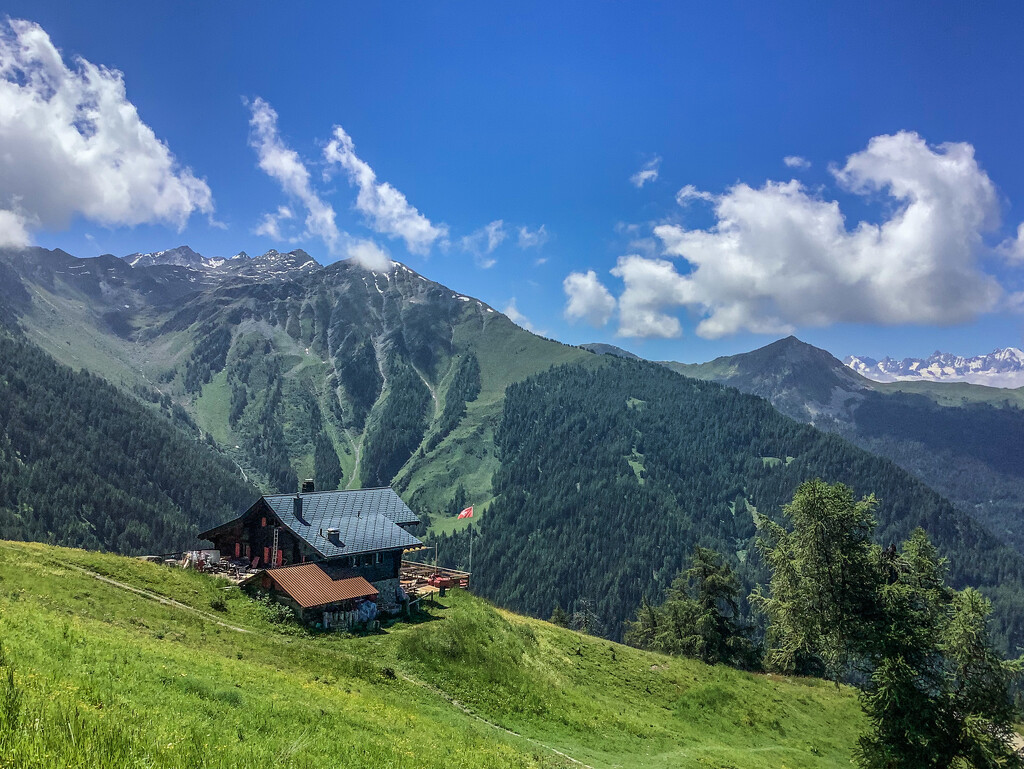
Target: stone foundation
(387,598)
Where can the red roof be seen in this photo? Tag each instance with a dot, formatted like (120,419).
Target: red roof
(310,586)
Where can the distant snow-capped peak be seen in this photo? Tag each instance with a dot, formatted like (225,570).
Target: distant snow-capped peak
(182,256)
(1000,368)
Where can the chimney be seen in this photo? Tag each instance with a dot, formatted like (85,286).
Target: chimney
(307,486)
(297,506)
(334,536)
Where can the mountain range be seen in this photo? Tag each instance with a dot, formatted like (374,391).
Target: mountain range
(1000,368)
(592,477)
(962,439)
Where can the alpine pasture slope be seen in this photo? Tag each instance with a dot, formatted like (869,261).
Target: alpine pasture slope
(95,671)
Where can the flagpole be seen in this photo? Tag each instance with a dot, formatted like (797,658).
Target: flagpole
(471,548)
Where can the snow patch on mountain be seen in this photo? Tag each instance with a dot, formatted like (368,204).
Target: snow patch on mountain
(1000,368)
(182,256)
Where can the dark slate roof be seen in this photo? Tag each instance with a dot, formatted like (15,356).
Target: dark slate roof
(356,534)
(367,520)
(320,505)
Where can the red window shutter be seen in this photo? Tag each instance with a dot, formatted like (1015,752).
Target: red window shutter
(266,555)
(264,523)
(280,557)
(238,549)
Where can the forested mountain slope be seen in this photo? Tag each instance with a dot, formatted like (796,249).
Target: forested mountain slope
(965,441)
(609,477)
(83,464)
(352,377)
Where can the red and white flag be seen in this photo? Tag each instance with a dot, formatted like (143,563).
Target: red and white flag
(467,513)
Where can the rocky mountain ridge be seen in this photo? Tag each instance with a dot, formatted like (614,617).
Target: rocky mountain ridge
(273,263)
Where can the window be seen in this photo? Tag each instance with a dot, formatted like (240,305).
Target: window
(378,558)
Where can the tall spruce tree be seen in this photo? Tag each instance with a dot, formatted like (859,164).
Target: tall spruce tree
(939,694)
(904,697)
(935,691)
(559,617)
(982,713)
(821,602)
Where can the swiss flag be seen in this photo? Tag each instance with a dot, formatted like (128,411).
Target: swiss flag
(467,513)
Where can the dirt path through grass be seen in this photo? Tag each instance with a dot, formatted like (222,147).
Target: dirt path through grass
(432,689)
(455,703)
(158,598)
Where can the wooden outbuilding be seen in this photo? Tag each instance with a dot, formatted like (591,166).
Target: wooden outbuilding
(317,597)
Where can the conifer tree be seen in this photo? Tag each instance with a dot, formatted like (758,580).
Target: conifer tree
(904,697)
(559,617)
(935,691)
(698,617)
(938,694)
(821,602)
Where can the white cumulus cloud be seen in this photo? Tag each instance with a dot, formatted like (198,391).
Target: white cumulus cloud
(270,223)
(72,144)
(795,161)
(779,256)
(386,209)
(369,254)
(648,173)
(651,285)
(284,165)
(588,299)
(13,230)
(1013,248)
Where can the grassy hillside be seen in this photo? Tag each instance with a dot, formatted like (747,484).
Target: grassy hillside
(507,354)
(958,393)
(105,675)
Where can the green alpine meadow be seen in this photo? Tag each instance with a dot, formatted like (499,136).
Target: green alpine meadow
(108,661)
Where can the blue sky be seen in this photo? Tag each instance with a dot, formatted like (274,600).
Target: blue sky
(539,117)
